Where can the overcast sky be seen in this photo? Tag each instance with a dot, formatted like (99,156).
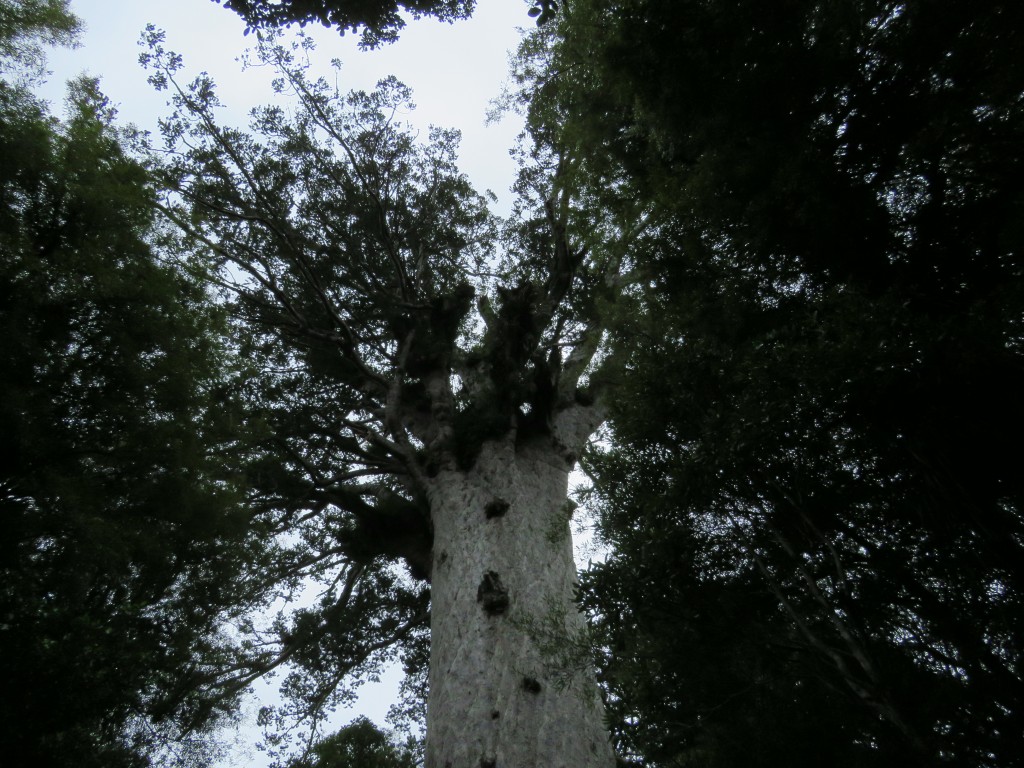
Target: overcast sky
(454,71)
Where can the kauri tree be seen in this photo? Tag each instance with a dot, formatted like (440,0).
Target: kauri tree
(424,394)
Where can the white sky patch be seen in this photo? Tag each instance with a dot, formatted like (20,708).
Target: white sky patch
(454,70)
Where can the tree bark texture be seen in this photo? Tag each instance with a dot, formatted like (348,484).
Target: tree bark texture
(503,579)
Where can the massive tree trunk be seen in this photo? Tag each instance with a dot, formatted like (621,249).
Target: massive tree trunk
(506,688)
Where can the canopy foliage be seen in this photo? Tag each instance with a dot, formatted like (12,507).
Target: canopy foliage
(814,462)
(123,539)
(360,744)
(25,27)
(380,21)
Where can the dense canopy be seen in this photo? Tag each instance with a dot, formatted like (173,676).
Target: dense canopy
(823,376)
(123,536)
(775,248)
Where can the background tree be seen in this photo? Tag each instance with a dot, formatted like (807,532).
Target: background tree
(423,402)
(27,25)
(360,744)
(122,536)
(824,373)
(379,20)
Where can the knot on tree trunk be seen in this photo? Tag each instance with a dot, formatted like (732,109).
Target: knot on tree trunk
(492,594)
(496,508)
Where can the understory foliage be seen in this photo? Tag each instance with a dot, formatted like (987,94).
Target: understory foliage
(812,488)
(122,533)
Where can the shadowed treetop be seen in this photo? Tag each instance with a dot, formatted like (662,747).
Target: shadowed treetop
(380,20)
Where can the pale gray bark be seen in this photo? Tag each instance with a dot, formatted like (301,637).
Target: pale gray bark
(498,697)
